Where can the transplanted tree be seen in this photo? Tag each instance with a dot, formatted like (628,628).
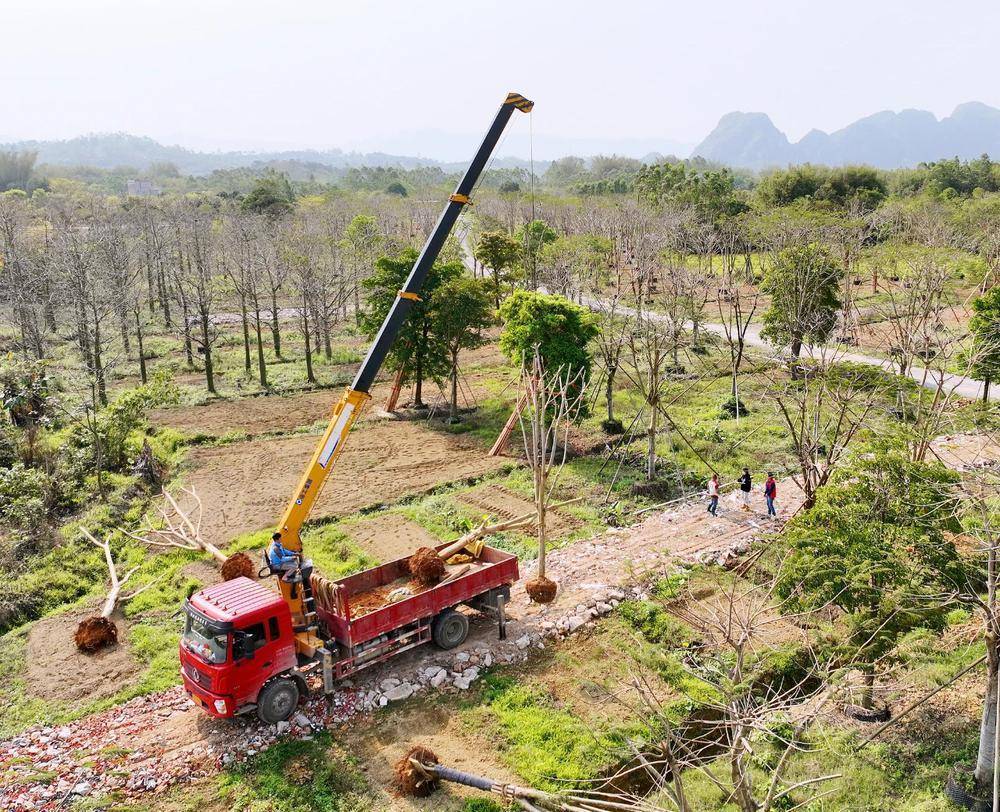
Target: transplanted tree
(559,329)
(803,282)
(533,237)
(461,310)
(985,328)
(500,253)
(875,545)
(418,351)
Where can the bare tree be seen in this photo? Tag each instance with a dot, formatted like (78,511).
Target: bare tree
(552,400)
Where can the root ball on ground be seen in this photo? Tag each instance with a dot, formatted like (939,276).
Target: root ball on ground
(426,566)
(412,781)
(238,564)
(95,633)
(541,590)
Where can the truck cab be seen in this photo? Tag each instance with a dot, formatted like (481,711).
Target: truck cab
(237,652)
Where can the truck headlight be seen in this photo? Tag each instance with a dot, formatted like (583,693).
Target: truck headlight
(220,705)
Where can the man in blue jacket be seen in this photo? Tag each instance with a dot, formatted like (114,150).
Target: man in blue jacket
(281,558)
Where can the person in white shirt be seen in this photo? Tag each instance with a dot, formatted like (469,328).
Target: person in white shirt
(713,495)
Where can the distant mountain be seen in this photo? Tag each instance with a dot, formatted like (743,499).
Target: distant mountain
(889,140)
(114,150)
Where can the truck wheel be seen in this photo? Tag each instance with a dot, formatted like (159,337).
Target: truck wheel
(277,701)
(449,629)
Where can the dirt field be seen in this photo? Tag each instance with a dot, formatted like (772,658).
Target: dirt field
(501,504)
(245,486)
(389,536)
(381,745)
(56,670)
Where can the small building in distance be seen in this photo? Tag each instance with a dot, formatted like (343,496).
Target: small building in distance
(142,188)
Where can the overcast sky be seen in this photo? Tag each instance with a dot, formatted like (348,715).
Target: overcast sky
(423,77)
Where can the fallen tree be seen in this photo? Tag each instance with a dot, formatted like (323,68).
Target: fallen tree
(99,631)
(180,531)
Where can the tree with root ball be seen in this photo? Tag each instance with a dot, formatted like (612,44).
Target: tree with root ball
(552,400)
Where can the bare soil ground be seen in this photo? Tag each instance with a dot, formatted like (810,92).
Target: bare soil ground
(965,452)
(382,744)
(244,486)
(501,504)
(389,536)
(56,670)
(257,415)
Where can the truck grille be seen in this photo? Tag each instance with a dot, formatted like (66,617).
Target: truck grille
(196,675)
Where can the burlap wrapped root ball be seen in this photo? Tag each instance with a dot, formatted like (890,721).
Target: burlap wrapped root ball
(411,780)
(236,566)
(426,566)
(541,590)
(95,633)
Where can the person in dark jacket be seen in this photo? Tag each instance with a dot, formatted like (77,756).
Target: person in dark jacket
(770,494)
(746,485)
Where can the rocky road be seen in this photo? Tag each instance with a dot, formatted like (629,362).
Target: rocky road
(147,745)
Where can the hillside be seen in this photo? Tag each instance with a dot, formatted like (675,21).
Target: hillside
(888,139)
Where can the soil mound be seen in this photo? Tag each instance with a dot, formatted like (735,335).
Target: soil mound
(426,566)
(411,780)
(238,565)
(541,590)
(95,633)
(56,670)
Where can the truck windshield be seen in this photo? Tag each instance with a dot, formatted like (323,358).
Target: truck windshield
(207,642)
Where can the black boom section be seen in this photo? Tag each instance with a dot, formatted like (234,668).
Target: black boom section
(401,306)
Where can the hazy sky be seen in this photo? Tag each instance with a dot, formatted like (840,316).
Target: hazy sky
(427,75)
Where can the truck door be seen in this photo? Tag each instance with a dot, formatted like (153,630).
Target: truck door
(251,665)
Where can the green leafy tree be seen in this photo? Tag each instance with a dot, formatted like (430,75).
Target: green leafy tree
(271,195)
(985,328)
(804,285)
(500,253)
(417,350)
(713,194)
(875,545)
(559,329)
(533,237)
(396,188)
(462,309)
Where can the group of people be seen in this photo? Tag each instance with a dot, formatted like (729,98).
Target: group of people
(746,488)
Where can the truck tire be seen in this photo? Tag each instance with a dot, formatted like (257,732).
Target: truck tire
(449,629)
(278,701)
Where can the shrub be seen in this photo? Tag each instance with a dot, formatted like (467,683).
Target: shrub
(654,624)
(25,497)
(732,407)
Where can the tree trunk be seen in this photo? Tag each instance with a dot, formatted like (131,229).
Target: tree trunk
(206,344)
(126,343)
(261,365)
(454,387)
(305,331)
(247,366)
(540,511)
(142,351)
(102,390)
(868,688)
(186,315)
(609,391)
(161,282)
(986,390)
(651,443)
(988,724)
(275,328)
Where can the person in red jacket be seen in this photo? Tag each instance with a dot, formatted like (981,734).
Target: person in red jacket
(771,493)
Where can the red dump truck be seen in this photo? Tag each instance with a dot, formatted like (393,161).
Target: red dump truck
(238,650)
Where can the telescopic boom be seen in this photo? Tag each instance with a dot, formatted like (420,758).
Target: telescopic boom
(349,407)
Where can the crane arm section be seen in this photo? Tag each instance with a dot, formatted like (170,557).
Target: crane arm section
(347,409)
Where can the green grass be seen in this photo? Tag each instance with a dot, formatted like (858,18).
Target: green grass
(298,776)
(544,743)
(331,550)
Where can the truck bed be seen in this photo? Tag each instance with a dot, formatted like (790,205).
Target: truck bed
(493,568)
